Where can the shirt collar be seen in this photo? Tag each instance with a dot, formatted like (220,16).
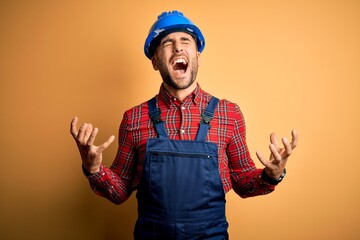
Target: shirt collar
(169,100)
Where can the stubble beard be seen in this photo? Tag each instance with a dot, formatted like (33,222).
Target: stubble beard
(173,84)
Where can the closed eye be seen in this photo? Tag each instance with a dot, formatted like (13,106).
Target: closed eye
(167,42)
(185,40)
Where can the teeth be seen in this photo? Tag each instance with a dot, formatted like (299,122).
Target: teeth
(180,60)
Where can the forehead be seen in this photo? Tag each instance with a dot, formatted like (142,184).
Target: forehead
(178,35)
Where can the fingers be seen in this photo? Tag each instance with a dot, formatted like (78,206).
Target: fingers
(261,158)
(81,133)
(85,135)
(88,131)
(273,140)
(103,146)
(278,155)
(73,127)
(106,144)
(275,153)
(92,137)
(294,140)
(288,147)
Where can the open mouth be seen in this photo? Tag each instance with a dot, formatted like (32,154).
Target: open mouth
(180,65)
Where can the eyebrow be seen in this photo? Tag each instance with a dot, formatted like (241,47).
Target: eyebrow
(185,39)
(171,40)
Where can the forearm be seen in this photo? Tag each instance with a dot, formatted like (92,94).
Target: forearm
(107,184)
(245,177)
(250,184)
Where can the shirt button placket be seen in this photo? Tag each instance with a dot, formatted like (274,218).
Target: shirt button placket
(182,130)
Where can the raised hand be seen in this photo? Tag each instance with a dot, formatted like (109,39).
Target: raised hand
(275,166)
(91,155)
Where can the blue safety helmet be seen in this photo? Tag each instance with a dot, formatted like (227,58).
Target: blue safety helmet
(168,22)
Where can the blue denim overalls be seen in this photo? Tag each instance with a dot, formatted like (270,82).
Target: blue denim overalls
(180,195)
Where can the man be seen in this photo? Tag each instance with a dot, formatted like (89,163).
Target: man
(183,149)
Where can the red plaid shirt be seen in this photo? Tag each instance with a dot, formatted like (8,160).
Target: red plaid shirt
(236,168)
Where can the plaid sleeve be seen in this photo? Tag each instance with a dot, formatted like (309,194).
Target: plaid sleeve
(245,177)
(114,183)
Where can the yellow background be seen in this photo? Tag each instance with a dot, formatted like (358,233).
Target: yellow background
(288,64)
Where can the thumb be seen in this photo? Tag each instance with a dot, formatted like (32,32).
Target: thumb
(261,158)
(106,144)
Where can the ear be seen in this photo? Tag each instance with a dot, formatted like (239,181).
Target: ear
(198,57)
(154,63)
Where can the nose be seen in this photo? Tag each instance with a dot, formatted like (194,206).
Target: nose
(178,47)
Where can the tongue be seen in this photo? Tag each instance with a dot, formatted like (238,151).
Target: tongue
(180,68)
(179,71)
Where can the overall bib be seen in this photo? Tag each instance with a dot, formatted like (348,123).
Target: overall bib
(180,195)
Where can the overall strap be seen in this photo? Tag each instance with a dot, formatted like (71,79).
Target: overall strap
(154,113)
(206,117)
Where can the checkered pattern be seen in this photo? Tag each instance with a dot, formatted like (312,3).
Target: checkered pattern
(236,168)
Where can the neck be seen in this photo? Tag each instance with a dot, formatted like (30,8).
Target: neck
(180,94)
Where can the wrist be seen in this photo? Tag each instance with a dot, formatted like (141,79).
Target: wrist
(90,171)
(271,180)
